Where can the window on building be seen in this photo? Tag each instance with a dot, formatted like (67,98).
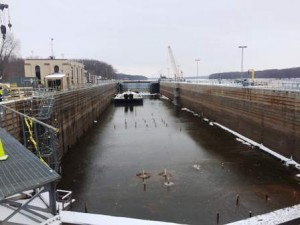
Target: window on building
(56,69)
(77,76)
(38,73)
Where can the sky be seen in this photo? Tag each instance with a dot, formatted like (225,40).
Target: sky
(133,35)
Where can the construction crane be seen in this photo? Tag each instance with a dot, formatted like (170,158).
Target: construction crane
(177,72)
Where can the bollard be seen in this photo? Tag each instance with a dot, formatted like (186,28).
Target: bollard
(180,129)
(144,184)
(294,196)
(250,213)
(237,199)
(267,197)
(218,218)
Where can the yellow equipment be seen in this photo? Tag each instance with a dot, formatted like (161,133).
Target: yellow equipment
(2,153)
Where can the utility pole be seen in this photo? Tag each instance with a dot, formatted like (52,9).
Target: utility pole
(197,61)
(242,63)
(52,53)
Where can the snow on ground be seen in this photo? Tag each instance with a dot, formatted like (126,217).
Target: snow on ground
(97,219)
(272,218)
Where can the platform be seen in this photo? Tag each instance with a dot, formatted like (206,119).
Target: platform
(22,170)
(23,180)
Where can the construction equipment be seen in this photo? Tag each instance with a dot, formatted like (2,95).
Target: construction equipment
(177,72)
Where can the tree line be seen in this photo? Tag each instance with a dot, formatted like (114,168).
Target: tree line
(99,68)
(273,73)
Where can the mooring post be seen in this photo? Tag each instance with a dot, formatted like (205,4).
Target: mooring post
(218,218)
(85,208)
(294,196)
(250,213)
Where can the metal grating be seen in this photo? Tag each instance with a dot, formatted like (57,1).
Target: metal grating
(22,170)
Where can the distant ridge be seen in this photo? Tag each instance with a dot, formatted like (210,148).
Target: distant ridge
(123,76)
(272,73)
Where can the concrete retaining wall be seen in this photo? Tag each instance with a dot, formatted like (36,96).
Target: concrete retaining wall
(271,117)
(77,110)
(74,112)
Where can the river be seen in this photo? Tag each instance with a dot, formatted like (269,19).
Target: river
(212,173)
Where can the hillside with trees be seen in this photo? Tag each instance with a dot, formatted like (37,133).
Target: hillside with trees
(106,71)
(10,65)
(123,76)
(273,73)
(99,68)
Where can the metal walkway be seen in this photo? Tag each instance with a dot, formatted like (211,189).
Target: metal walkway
(22,170)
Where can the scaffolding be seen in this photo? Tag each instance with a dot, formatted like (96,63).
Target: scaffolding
(39,126)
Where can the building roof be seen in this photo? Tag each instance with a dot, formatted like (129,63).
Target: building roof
(22,170)
(55,76)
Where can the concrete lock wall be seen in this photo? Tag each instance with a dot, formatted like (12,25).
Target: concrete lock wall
(77,110)
(74,111)
(271,117)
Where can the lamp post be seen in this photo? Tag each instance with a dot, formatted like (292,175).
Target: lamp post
(197,61)
(242,63)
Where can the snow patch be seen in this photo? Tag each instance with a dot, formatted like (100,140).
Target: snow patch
(242,141)
(96,219)
(272,218)
(285,160)
(164,97)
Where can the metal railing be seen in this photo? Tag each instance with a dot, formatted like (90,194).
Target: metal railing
(37,136)
(274,84)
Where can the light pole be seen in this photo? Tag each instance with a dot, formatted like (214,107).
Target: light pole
(242,64)
(197,61)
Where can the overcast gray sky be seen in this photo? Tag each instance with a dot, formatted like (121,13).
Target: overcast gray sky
(133,35)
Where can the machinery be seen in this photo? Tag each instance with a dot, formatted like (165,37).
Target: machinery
(177,72)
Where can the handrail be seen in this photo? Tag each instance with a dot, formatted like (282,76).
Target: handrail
(56,130)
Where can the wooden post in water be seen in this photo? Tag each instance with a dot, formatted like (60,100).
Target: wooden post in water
(237,200)
(85,208)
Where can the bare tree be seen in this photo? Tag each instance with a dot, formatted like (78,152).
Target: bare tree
(9,49)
